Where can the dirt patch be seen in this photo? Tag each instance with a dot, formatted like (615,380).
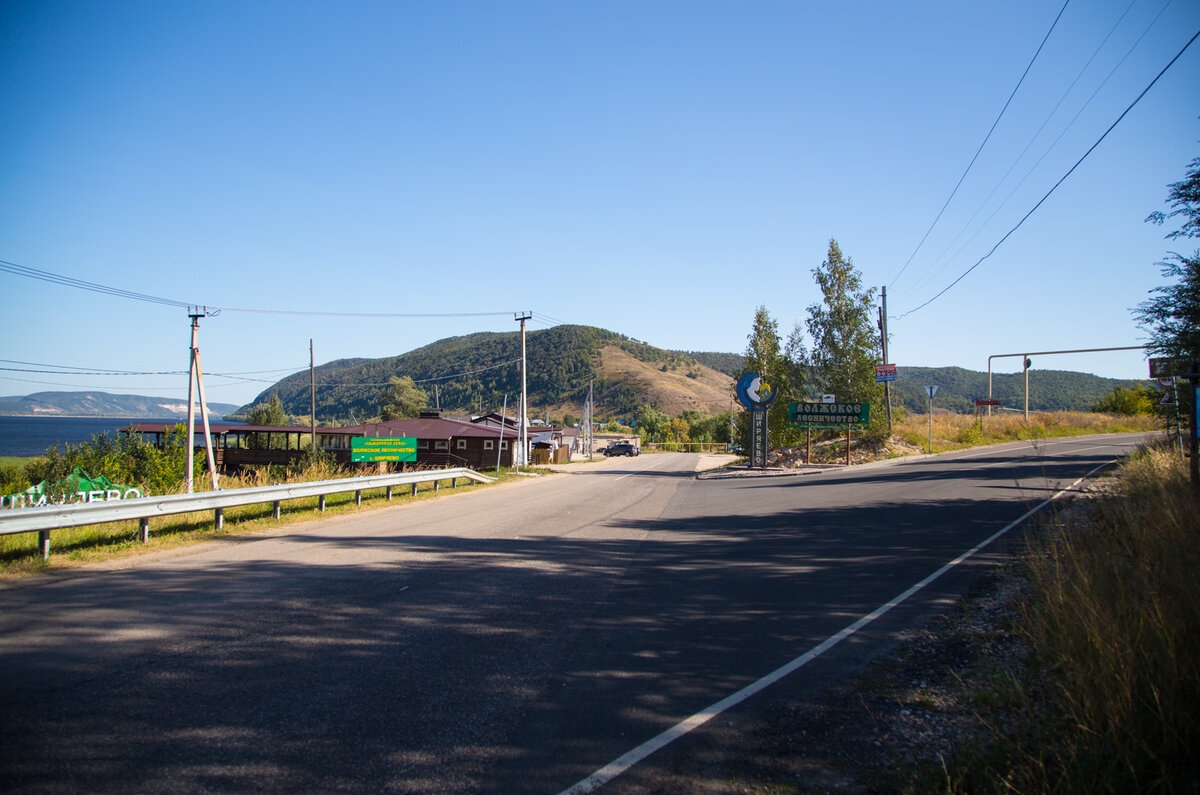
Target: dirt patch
(672,392)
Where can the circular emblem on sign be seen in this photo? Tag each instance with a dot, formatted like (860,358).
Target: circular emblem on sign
(755,393)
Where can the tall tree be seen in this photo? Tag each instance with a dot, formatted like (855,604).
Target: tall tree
(845,340)
(781,367)
(400,399)
(269,413)
(1172,314)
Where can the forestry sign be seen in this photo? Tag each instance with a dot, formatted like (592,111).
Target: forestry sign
(829,415)
(364,450)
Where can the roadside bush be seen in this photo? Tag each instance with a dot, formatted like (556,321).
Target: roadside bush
(1128,402)
(123,458)
(13,478)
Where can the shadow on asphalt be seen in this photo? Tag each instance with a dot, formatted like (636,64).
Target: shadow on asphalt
(478,664)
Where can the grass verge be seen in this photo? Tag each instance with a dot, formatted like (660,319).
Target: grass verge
(1109,700)
(957,431)
(20,557)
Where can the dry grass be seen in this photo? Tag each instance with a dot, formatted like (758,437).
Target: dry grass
(957,431)
(1111,699)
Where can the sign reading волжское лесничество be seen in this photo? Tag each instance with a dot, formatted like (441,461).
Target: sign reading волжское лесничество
(829,415)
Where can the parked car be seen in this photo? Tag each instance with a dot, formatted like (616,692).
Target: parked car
(621,448)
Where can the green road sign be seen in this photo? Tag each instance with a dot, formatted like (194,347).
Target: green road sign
(829,415)
(364,450)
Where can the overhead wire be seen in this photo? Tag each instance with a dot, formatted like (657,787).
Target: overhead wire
(1061,180)
(931,273)
(986,138)
(54,278)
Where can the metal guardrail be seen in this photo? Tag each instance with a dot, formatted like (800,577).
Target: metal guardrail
(59,517)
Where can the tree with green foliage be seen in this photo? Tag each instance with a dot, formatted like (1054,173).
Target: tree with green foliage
(651,423)
(401,399)
(1172,315)
(269,413)
(1128,402)
(782,367)
(845,338)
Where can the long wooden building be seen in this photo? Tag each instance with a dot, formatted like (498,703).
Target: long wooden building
(441,442)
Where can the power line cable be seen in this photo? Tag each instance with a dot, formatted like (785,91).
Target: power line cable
(508,363)
(984,143)
(931,274)
(364,314)
(1056,184)
(67,281)
(54,278)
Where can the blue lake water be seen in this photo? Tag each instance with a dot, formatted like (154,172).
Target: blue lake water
(30,436)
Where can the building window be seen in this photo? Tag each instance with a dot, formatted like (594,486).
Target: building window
(422,444)
(461,444)
(504,445)
(489,444)
(441,444)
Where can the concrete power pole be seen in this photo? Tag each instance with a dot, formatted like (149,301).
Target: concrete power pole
(883,335)
(524,433)
(196,380)
(312,396)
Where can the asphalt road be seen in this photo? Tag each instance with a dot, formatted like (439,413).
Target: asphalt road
(508,639)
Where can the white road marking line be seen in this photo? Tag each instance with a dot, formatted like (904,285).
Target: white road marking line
(685,726)
(638,472)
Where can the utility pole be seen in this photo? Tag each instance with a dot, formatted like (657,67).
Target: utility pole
(312,395)
(1027,362)
(522,317)
(589,413)
(196,379)
(883,338)
(503,422)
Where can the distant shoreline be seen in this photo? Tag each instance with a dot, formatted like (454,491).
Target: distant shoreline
(109,417)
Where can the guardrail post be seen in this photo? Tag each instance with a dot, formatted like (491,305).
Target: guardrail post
(454,483)
(321,503)
(278,508)
(44,543)
(220,518)
(389,492)
(435,487)
(358,497)
(414,489)
(144,529)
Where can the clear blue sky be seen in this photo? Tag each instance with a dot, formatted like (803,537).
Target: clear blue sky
(658,169)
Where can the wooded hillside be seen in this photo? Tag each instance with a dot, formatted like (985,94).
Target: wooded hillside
(474,373)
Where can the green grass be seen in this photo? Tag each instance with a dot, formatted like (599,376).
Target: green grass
(20,556)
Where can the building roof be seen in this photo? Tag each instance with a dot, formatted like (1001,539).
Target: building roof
(420,428)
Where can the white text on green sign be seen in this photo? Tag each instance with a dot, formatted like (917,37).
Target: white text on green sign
(364,450)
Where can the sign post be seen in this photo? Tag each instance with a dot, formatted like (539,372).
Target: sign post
(931,391)
(829,415)
(1189,370)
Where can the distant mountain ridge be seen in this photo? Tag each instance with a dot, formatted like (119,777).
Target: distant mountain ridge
(101,404)
(476,372)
